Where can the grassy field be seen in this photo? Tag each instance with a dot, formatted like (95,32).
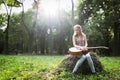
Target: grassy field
(29,67)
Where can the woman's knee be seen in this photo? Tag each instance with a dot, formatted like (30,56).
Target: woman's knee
(84,57)
(88,55)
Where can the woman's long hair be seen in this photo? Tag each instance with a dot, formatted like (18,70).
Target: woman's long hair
(79,27)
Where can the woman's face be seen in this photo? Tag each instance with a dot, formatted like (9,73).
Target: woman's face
(77,30)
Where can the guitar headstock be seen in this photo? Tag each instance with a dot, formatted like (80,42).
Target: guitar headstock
(105,47)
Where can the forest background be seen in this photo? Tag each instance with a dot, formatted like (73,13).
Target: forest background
(46,27)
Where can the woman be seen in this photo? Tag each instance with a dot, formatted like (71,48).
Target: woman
(80,42)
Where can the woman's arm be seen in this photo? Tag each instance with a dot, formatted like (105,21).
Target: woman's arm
(74,43)
(86,44)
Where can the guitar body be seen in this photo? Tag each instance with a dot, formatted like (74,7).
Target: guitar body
(74,51)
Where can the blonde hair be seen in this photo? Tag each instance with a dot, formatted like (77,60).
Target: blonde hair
(78,26)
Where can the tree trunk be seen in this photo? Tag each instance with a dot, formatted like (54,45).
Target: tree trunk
(31,32)
(7,36)
(30,42)
(116,39)
(106,42)
(116,29)
(51,42)
(1,41)
(42,43)
(7,29)
(73,21)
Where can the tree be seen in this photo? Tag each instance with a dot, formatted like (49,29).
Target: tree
(109,10)
(8,6)
(18,36)
(1,41)
(31,31)
(73,22)
(111,13)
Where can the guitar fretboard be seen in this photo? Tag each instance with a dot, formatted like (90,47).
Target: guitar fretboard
(98,47)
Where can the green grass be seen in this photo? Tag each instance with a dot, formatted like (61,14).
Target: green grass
(29,67)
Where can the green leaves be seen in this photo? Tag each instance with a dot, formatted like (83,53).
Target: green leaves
(14,3)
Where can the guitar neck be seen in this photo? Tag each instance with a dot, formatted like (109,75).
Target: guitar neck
(98,47)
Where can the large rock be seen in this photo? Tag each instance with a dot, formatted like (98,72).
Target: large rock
(69,62)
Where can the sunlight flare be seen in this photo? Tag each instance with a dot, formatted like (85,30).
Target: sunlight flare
(50,8)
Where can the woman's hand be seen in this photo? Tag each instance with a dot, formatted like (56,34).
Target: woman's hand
(84,49)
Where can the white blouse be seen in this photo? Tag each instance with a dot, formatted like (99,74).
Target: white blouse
(80,41)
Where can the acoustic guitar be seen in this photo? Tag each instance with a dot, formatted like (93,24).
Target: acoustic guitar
(74,51)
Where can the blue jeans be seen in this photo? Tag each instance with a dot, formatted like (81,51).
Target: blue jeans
(81,60)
